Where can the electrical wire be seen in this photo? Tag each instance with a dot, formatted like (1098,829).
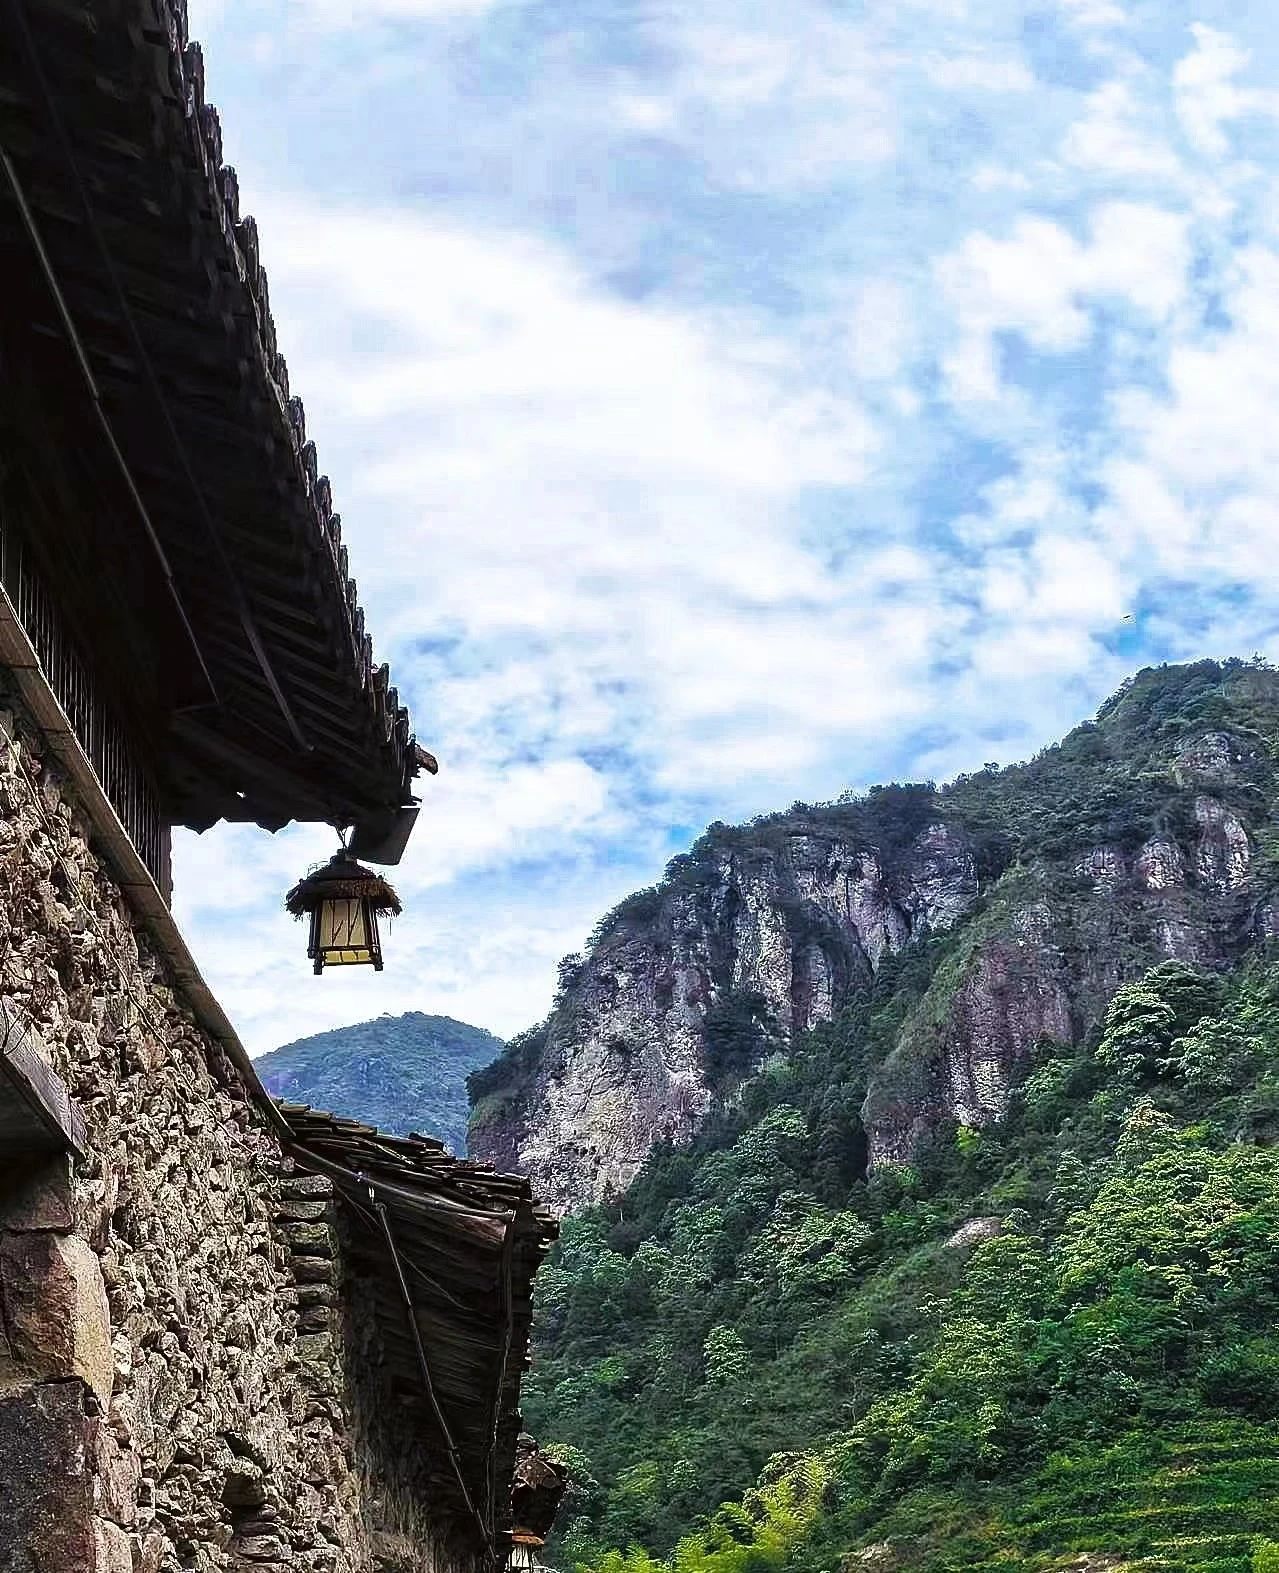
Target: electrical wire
(431,1283)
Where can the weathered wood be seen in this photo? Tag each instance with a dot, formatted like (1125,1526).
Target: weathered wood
(468,1242)
(36,1110)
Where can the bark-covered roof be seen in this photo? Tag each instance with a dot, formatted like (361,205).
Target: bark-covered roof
(138,313)
(447,1250)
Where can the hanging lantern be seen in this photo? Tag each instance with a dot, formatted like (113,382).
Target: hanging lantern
(525,1547)
(344,900)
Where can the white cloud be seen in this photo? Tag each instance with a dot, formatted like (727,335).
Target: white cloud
(344,14)
(622,446)
(883,332)
(1189,491)
(1041,282)
(204,16)
(500,332)
(646,112)
(1207,94)
(1094,16)
(980,73)
(993,177)
(770,97)
(1109,138)
(1196,477)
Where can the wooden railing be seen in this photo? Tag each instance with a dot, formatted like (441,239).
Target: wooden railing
(96,726)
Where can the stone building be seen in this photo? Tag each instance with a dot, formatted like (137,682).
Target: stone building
(234,1334)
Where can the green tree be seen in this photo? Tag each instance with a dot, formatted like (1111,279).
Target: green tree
(726,1356)
(1144,1018)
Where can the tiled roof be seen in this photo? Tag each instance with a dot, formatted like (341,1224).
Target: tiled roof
(120,162)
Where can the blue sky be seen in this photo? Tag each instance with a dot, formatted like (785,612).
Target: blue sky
(731,402)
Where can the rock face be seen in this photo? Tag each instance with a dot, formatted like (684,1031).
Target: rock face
(1223,852)
(795,930)
(1044,955)
(1014,997)
(773,928)
(975,1232)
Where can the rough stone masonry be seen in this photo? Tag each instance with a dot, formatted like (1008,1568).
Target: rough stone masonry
(177,1390)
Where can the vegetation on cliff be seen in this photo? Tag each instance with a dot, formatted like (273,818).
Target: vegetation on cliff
(400,1073)
(1044,1338)
(1052,1336)
(798,905)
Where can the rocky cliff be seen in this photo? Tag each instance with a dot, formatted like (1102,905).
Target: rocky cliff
(1023,897)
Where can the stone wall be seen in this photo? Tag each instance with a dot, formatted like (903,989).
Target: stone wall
(174,1388)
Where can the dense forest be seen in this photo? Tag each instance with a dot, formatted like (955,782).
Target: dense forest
(1047,1342)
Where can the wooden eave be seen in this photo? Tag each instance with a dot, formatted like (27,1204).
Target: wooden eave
(121,79)
(469,1242)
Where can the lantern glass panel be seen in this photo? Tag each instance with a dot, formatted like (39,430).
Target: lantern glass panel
(346,934)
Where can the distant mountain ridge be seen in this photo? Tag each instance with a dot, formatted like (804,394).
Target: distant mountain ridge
(400,1073)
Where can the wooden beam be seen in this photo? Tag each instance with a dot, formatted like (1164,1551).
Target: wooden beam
(263,778)
(38,1111)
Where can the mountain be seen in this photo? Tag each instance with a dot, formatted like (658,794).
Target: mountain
(979,1271)
(401,1073)
(1044,1345)
(1013,901)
